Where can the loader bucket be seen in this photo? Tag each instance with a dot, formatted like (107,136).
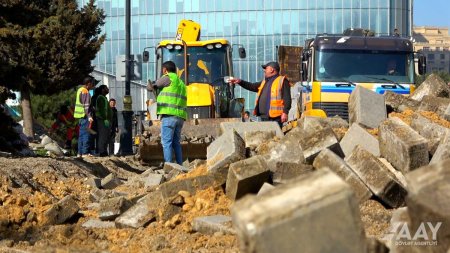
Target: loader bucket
(196,135)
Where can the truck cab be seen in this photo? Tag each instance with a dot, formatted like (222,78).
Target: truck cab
(333,65)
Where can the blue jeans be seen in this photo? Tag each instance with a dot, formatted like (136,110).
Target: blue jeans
(171,137)
(83,137)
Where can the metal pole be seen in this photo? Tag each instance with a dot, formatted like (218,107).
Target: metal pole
(126,143)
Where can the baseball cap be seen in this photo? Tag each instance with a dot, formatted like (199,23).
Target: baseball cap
(272,64)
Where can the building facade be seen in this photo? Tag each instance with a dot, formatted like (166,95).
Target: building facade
(434,42)
(258,25)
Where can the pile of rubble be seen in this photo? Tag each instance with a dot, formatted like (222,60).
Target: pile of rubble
(313,188)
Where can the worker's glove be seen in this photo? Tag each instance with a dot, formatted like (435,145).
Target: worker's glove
(106,122)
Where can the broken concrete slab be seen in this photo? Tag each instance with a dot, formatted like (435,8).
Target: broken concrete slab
(142,213)
(225,150)
(434,104)
(431,131)
(310,122)
(366,107)
(315,141)
(325,220)
(111,181)
(432,86)
(113,207)
(94,182)
(246,176)
(377,177)
(265,188)
(329,160)
(356,135)
(212,224)
(60,212)
(254,139)
(153,180)
(242,127)
(442,151)
(403,147)
(428,202)
(94,223)
(399,103)
(168,167)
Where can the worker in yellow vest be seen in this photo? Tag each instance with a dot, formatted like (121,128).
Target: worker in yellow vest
(82,102)
(273,101)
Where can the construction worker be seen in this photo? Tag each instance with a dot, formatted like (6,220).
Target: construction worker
(114,126)
(82,113)
(103,113)
(273,101)
(172,109)
(65,119)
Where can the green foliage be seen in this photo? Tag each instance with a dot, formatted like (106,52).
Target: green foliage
(47,46)
(45,107)
(444,75)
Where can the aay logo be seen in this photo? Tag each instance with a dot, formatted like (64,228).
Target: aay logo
(425,235)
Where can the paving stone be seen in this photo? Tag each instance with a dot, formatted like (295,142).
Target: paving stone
(265,188)
(94,223)
(435,104)
(366,107)
(428,201)
(403,147)
(111,182)
(398,174)
(284,171)
(254,139)
(329,160)
(314,142)
(318,210)
(377,177)
(212,224)
(400,103)
(287,150)
(431,131)
(242,127)
(432,86)
(246,176)
(356,135)
(113,207)
(225,150)
(153,180)
(142,213)
(60,212)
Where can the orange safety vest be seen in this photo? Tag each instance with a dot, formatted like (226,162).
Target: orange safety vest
(276,97)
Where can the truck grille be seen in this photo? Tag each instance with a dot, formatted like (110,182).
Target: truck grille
(333,109)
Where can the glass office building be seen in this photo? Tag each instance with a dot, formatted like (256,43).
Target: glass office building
(258,25)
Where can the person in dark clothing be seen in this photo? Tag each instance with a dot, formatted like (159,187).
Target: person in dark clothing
(103,114)
(273,101)
(114,126)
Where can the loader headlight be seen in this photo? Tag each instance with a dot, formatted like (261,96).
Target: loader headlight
(218,45)
(210,46)
(170,46)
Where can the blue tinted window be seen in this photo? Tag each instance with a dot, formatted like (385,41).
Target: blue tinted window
(356,19)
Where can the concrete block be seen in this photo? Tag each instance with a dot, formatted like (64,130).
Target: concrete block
(113,207)
(310,122)
(60,212)
(225,150)
(366,107)
(398,174)
(54,148)
(246,176)
(447,113)
(399,217)
(432,86)
(284,171)
(153,180)
(111,182)
(314,142)
(242,127)
(93,223)
(403,147)
(286,150)
(96,195)
(442,151)
(400,103)
(212,224)
(142,213)
(428,202)
(254,139)
(328,159)
(377,177)
(168,167)
(375,246)
(434,104)
(265,188)
(94,182)
(356,135)
(431,131)
(317,212)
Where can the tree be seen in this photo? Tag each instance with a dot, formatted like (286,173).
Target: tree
(46,46)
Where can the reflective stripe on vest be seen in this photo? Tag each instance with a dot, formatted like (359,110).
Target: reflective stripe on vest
(173,99)
(276,96)
(79,107)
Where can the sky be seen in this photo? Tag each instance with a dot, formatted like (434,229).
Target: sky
(431,13)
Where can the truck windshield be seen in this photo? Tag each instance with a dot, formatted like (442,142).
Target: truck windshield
(205,65)
(364,66)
